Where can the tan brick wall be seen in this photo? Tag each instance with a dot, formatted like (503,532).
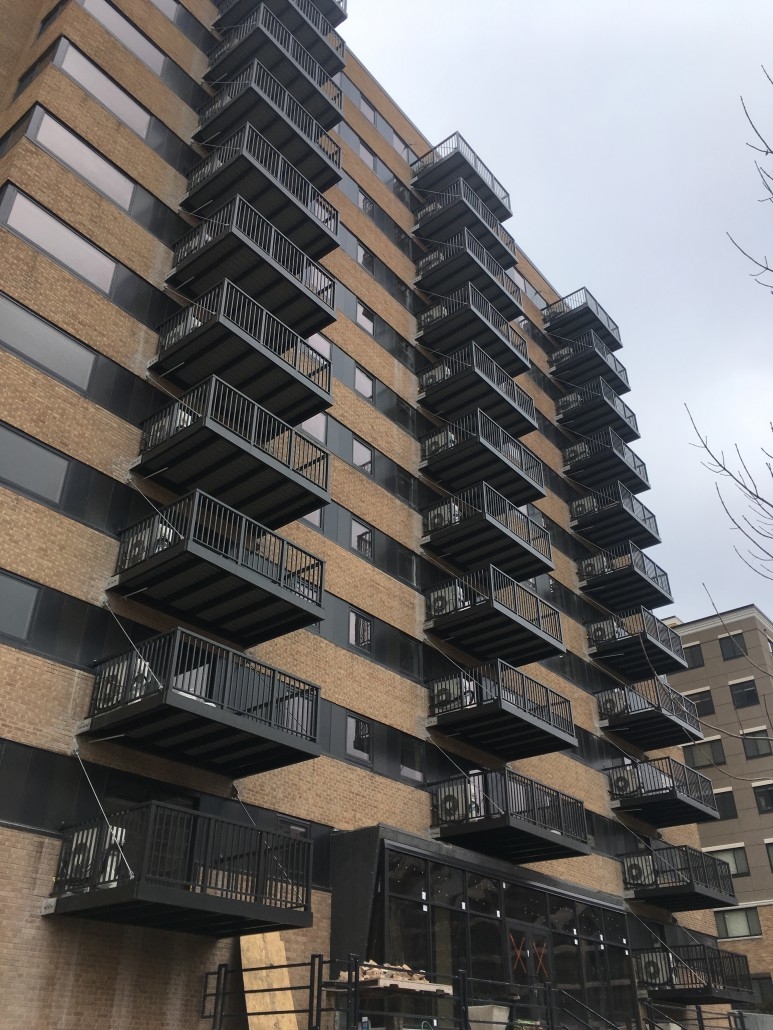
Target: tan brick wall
(363,228)
(381,100)
(759,950)
(368,423)
(355,491)
(20,24)
(364,286)
(364,349)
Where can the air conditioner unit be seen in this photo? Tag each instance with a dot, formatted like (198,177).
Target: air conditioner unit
(111,859)
(639,870)
(446,599)
(469,692)
(447,515)
(182,418)
(434,376)
(463,801)
(166,535)
(625,781)
(613,703)
(80,860)
(654,968)
(294,715)
(141,679)
(440,442)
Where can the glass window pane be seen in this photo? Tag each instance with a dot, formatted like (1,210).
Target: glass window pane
(358,738)
(757,744)
(52,135)
(123,30)
(367,155)
(525,904)
(362,457)
(486,958)
(589,920)
(703,701)
(411,758)
(314,517)
(408,934)
(360,631)
(363,383)
(725,800)
(42,343)
(368,110)
(407,875)
(744,694)
(30,466)
(320,345)
(316,426)
(366,259)
(449,940)
(106,91)
(483,894)
(764,798)
(366,318)
(694,656)
(732,646)
(362,538)
(17,601)
(614,926)
(446,885)
(562,914)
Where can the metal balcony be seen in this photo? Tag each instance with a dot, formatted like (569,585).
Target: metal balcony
(192,700)
(577,313)
(465,315)
(662,792)
(612,514)
(623,575)
(499,710)
(460,207)
(464,259)
(170,868)
(453,159)
(678,878)
(262,36)
(481,527)
(489,615)
(636,645)
(200,561)
(302,18)
(588,357)
(469,379)
(247,165)
(602,457)
(227,333)
(217,440)
(650,714)
(595,406)
(256,97)
(475,448)
(508,816)
(238,243)
(693,974)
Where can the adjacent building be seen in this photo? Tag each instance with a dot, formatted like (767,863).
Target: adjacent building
(326,588)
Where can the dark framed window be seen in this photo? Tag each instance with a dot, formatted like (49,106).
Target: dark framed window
(364,383)
(365,204)
(366,319)
(29,465)
(732,646)
(362,456)
(703,701)
(757,744)
(744,694)
(314,518)
(725,801)
(769,850)
(360,630)
(693,656)
(17,603)
(359,738)
(368,110)
(741,922)
(708,752)
(316,426)
(362,538)
(763,795)
(366,258)
(367,155)
(322,346)
(411,758)
(736,858)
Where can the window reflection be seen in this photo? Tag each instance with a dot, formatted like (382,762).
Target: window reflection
(123,30)
(95,82)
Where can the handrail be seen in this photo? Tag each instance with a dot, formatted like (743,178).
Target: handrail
(578,299)
(313,15)
(465,240)
(478,425)
(271,88)
(692,967)
(585,342)
(229,302)
(592,391)
(473,356)
(611,496)
(624,556)
(631,623)
(676,865)
(659,776)
(447,147)
(461,190)
(605,440)
(647,695)
(468,296)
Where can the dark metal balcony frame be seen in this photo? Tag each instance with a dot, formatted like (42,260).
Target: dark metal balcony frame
(246,164)
(509,816)
(452,159)
(199,560)
(612,514)
(662,792)
(623,575)
(257,97)
(487,614)
(217,440)
(464,259)
(594,406)
(479,526)
(460,207)
(604,456)
(227,333)
(693,974)
(588,357)
(678,878)
(237,242)
(469,379)
(636,644)
(190,699)
(499,710)
(578,312)
(262,36)
(158,865)
(650,714)
(464,315)
(474,448)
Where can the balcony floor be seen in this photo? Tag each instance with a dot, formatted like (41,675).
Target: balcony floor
(651,729)
(463,324)
(480,539)
(636,657)
(471,461)
(462,267)
(302,30)
(594,414)
(511,839)
(668,807)
(587,365)
(623,588)
(600,468)
(443,173)
(576,321)
(614,524)
(684,897)
(504,730)
(467,390)
(489,630)
(457,214)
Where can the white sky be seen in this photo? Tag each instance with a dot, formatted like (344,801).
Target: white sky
(617,127)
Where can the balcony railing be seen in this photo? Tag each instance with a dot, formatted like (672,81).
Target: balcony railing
(642,697)
(461,190)
(601,443)
(479,426)
(457,143)
(585,344)
(616,496)
(693,972)
(247,140)
(667,792)
(311,13)
(466,242)
(617,559)
(633,623)
(255,75)
(580,299)
(676,867)
(592,393)
(181,869)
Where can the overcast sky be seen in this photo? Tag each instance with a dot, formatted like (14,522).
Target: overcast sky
(617,127)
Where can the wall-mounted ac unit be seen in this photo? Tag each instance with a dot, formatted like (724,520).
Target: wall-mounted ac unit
(639,870)
(447,515)
(446,599)
(613,703)
(654,968)
(111,859)
(625,781)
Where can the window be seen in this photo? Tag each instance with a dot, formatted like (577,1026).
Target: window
(744,694)
(725,800)
(366,205)
(734,856)
(359,738)
(400,146)
(367,155)
(406,564)
(322,346)
(362,456)
(17,601)
(362,538)
(702,700)
(368,109)
(314,518)
(30,466)
(693,656)
(316,426)
(360,631)
(769,849)
(708,752)
(106,91)
(124,31)
(411,758)
(363,383)
(366,318)
(742,922)
(366,259)
(732,646)
(756,743)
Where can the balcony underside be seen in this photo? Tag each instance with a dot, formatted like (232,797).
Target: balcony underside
(456,215)
(187,728)
(206,456)
(167,908)
(463,325)
(461,267)
(637,657)
(307,35)
(467,390)
(480,539)
(512,840)
(441,174)
(333,10)
(709,994)
(190,582)
(600,468)
(613,524)
(625,587)
(243,175)
(651,729)
(572,322)
(471,461)
(490,630)
(681,897)
(587,365)
(220,347)
(233,255)
(594,414)
(251,106)
(259,44)
(667,807)
(504,730)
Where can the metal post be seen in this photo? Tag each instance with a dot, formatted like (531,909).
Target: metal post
(312,992)
(699,1015)
(218,1010)
(464,1000)
(549,1014)
(354,1003)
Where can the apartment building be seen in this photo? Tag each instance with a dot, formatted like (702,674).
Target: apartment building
(730,680)
(325,590)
